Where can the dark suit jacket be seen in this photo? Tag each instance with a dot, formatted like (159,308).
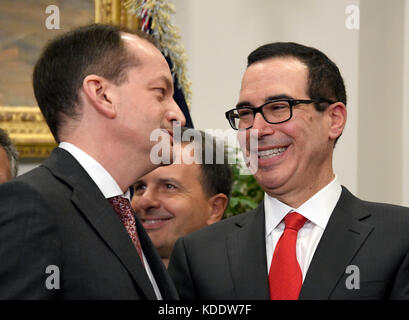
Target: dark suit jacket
(227,260)
(56,215)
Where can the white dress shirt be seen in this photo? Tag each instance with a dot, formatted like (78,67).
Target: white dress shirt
(317,210)
(109,188)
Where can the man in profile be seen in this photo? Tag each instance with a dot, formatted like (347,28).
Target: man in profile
(67,230)
(310,234)
(178,199)
(8,158)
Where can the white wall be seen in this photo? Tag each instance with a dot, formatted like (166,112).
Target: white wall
(381,94)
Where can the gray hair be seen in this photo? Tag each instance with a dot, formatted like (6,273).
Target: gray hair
(11,152)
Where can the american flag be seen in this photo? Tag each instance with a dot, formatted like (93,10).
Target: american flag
(151,24)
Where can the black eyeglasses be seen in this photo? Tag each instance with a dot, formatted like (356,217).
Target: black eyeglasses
(274,112)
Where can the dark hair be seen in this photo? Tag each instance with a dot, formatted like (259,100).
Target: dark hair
(216,173)
(65,62)
(11,152)
(324,78)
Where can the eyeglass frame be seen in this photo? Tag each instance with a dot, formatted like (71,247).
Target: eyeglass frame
(291,102)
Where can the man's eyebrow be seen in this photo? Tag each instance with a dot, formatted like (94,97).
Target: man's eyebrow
(269,98)
(279,96)
(169,180)
(139,182)
(178,183)
(244,104)
(166,80)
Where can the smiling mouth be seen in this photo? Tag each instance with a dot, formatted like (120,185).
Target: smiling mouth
(270,153)
(153,221)
(154,224)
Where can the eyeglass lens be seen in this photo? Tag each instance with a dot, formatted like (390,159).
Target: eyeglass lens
(273,112)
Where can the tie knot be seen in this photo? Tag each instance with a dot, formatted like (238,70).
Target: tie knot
(294,221)
(119,202)
(122,206)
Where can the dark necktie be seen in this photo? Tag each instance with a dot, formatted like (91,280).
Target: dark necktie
(285,276)
(125,212)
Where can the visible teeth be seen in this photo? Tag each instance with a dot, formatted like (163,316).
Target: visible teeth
(271,152)
(151,221)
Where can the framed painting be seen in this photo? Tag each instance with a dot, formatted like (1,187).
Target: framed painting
(25,27)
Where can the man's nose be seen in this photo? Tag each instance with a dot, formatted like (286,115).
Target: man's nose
(145,202)
(176,114)
(262,126)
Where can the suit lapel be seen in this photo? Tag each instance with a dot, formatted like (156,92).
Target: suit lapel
(97,210)
(342,238)
(247,257)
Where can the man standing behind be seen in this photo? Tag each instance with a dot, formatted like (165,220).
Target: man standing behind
(66,228)
(8,158)
(176,200)
(310,238)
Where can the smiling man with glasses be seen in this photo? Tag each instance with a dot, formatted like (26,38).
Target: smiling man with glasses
(310,238)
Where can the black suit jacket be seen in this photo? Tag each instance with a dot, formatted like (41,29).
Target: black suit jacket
(56,215)
(227,260)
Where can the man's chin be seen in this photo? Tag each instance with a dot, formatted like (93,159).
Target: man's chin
(270,182)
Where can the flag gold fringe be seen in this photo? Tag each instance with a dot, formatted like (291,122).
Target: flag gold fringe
(167,34)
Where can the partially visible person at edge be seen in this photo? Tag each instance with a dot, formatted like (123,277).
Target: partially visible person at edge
(8,158)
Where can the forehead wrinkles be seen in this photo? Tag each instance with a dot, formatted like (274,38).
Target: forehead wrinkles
(275,74)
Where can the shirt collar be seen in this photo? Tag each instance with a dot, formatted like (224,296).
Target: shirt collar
(317,209)
(105,182)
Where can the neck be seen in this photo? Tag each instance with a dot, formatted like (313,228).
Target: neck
(100,138)
(123,167)
(297,197)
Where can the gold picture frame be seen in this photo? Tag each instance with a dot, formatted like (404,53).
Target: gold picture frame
(28,131)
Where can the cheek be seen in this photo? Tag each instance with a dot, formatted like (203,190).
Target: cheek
(310,144)
(182,223)
(180,208)
(300,131)
(191,215)
(135,202)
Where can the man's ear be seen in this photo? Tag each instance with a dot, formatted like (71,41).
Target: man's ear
(337,115)
(218,204)
(98,91)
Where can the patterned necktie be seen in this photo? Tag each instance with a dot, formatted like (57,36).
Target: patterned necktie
(124,210)
(285,276)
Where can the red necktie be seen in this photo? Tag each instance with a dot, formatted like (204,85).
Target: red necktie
(285,275)
(124,210)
